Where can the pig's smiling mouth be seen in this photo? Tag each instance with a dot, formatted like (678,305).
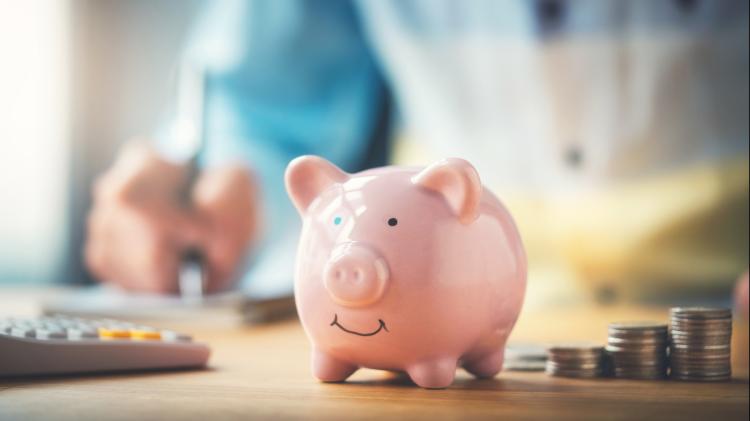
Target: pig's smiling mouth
(336,323)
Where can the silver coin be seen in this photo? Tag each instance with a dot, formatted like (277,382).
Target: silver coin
(687,336)
(715,340)
(638,339)
(699,360)
(634,359)
(682,335)
(526,352)
(724,325)
(626,359)
(638,355)
(524,365)
(702,379)
(638,327)
(701,347)
(576,348)
(703,361)
(702,327)
(700,312)
(642,341)
(585,366)
(619,362)
(636,333)
(700,368)
(621,355)
(701,373)
(718,361)
(699,318)
(700,321)
(687,356)
(636,349)
(629,344)
(576,359)
(705,345)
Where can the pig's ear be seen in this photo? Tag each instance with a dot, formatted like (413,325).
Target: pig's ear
(307,176)
(458,182)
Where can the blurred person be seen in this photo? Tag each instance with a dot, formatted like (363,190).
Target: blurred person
(616,132)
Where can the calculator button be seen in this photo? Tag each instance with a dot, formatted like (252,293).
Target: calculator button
(50,334)
(145,334)
(22,332)
(113,333)
(82,333)
(169,335)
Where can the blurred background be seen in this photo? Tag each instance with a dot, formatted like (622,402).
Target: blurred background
(78,79)
(621,148)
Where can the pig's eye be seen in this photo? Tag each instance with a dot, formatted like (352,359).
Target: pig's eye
(336,220)
(392,222)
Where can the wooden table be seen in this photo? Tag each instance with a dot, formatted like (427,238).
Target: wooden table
(262,372)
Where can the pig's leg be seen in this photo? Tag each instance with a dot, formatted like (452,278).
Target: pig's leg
(488,365)
(433,374)
(329,369)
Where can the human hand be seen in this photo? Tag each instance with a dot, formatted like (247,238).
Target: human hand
(140,225)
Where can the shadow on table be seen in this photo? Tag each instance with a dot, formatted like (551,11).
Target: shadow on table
(401,380)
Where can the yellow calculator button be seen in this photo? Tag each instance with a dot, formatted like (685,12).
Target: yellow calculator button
(145,335)
(113,333)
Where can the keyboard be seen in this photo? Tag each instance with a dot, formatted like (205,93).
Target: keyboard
(63,345)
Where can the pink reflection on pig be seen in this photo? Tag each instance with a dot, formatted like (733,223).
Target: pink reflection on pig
(406,269)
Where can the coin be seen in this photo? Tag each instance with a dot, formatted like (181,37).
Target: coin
(701,379)
(525,357)
(700,343)
(583,359)
(524,365)
(638,326)
(638,349)
(700,313)
(575,373)
(576,348)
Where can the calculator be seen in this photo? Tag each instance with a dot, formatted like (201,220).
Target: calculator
(66,345)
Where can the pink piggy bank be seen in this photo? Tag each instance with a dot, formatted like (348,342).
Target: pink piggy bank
(406,269)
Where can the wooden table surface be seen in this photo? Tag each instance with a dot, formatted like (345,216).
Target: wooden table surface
(262,372)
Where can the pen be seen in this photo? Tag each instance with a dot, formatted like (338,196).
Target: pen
(192,272)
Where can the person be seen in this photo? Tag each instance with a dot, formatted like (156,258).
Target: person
(616,132)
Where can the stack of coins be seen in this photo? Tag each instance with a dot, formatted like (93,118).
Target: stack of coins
(700,348)
(638,350)
(582,360)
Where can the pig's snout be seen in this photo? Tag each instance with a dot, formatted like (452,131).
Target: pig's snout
(355,275)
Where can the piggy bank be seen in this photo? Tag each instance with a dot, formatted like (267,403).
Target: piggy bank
(405,269)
